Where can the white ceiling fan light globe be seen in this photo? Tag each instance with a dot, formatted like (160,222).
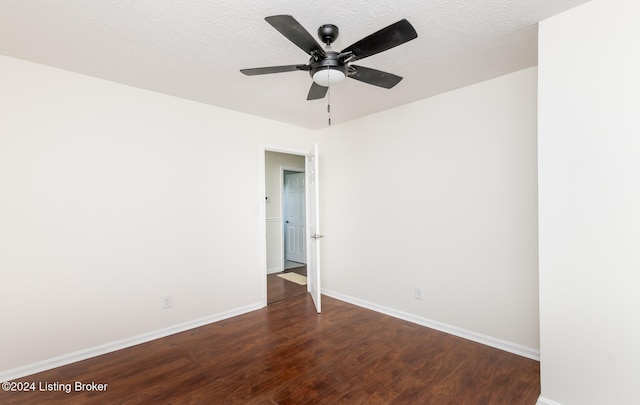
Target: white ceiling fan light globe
(327,77)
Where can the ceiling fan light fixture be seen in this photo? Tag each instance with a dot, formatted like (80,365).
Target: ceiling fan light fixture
(328,77)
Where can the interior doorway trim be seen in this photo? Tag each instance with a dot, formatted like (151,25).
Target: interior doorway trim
(262,211)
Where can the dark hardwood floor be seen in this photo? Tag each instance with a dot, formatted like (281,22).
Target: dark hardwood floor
(285,353)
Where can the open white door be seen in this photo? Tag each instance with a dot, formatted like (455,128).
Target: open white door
(313,227)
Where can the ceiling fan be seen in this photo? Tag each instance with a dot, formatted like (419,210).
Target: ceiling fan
(328,67)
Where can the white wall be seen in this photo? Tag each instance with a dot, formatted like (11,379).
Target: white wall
(113,197)
(589,159)
(274,162)
(439,194)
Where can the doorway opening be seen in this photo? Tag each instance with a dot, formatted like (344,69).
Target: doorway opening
(290,223)
(286,225)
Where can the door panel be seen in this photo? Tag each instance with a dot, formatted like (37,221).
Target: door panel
(295,220)
(314,236)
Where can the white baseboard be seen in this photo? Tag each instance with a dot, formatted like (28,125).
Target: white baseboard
(80,355)
(511,347)
(273,270)
(545,401)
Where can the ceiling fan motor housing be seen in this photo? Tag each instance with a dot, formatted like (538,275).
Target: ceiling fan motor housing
(331,61)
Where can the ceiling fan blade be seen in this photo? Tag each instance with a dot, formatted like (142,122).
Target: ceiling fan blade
(290,28)
(317,92)
(273,69)
(387,38)
(373,76)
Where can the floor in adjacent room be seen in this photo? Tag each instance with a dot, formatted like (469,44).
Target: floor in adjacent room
(279,289)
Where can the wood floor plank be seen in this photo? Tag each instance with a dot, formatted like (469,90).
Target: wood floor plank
(287,354)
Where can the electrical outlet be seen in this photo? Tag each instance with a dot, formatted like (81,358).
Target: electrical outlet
(418,293)
(167,302)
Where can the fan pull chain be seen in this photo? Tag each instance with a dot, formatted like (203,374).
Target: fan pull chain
(329,98)
(329,106)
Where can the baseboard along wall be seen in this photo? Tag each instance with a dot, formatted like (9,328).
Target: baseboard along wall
(511,347)
(80,355)
(274,270)
(545,401)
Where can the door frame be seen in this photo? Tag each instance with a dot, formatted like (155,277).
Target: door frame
(262,210)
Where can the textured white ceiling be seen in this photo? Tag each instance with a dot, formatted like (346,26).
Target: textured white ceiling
(194,49)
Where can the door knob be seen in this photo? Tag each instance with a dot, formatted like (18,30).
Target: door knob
(316,236)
